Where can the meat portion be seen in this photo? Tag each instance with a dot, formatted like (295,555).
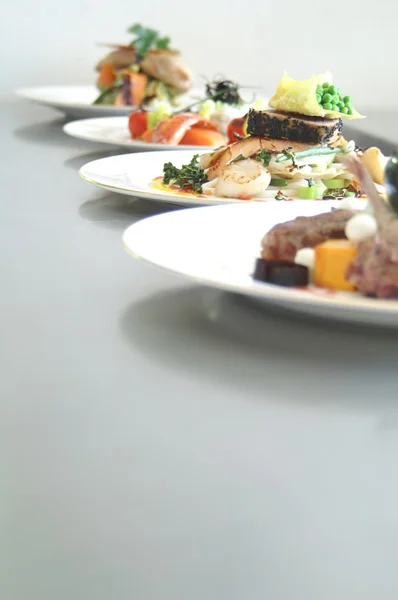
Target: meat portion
(161,64)
(297,128)
(246,148)
(283,240)
(372,271)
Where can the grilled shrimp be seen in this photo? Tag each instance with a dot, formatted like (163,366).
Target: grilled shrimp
(243,179)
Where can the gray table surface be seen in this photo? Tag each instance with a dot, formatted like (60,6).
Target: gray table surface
(162,441)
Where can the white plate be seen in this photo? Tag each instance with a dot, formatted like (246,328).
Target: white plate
(114,131)
(77,100)
(218,246)
(132,174)
(73,100)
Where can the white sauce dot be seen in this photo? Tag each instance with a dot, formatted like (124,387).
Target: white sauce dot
(360,227)
(348,203)
(306,257)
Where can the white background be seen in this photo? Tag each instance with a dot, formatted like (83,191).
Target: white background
(54,42)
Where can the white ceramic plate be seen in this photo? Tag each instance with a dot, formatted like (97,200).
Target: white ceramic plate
(73,100)
(218,246)
(77,100)
(114,131)
(132,174)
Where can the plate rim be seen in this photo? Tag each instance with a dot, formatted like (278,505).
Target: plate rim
(136,145)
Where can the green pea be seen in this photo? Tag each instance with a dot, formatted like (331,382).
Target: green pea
(338,90)
(347,100)
(335,107)
(327,106)
(332,89)
(336,99)
(344,110)
(326,98)
(350,111)
(325,85)
(319,99)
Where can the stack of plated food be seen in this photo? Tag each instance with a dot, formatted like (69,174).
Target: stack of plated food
(293,213)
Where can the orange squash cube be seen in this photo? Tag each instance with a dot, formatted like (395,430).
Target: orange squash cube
(331,261)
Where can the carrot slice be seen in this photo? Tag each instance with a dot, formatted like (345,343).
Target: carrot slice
(198,136)
(107,75)
(138,82)
(331,261)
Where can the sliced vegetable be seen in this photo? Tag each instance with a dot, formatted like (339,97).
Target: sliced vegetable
(162,111)
(311,192)
(317,151)
(331,261)
(286,274)
(133,91)
(138,123)
(335,184)
(107,75)
(279,182)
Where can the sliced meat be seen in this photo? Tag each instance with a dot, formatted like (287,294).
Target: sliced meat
(171,131)
(283,240)
(247,148)
(373,271)
(121,58)
(289,126)
(167,66)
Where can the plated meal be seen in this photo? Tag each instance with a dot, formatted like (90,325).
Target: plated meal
(294,149)
(343,250)
(337,258)
(144,70)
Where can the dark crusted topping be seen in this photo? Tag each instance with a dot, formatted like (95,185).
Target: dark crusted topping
(289,126)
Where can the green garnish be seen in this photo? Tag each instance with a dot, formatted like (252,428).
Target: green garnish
(312,192)
(330,98)
(146,39)
(188,176)
(279,182)
(311,182)
(238,158)
(318,151)
(116,85)
(264,157)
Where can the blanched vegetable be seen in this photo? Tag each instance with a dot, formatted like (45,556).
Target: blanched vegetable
(331,261)
(286,274)
(305,98)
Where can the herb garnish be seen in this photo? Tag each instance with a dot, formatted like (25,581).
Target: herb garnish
(146,39)
(264,157)
(188,176)
(280,196)
(224,90)
(311,182)
(238,158)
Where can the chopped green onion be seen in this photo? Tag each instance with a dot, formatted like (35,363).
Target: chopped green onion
(311,193)
(335,184)
(279,182)
(318,151)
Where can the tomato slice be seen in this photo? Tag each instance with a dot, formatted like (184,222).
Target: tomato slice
(138,123)
(236,126)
